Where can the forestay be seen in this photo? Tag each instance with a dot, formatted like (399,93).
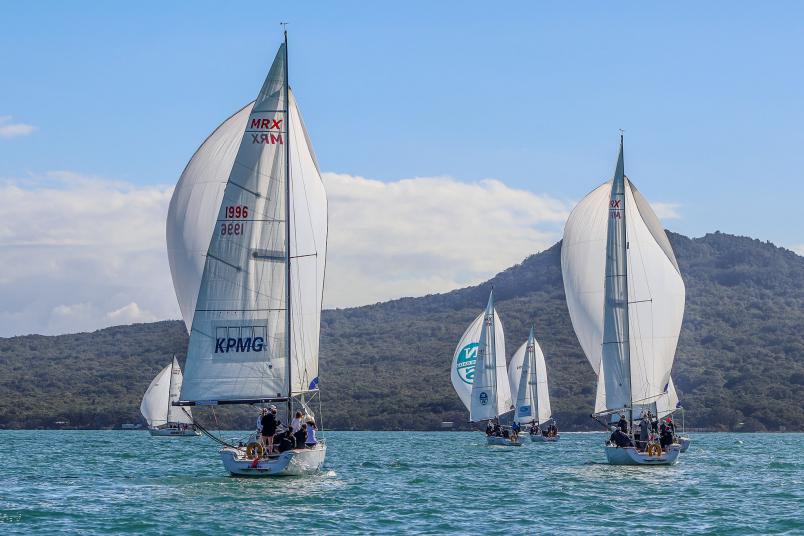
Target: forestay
(228,256)
(491,392)
(630,324)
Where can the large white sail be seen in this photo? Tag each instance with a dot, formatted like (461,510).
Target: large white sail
(491,392)
(232,291)
(527,374)
(175,413)
(161,393)
(154,405)
(624,293)
(464,359)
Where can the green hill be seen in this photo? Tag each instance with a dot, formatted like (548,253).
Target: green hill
(739,365)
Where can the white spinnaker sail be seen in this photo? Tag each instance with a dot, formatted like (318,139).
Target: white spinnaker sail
(491,392)
(655,293)
(154,406)
(464,359)
(176,413)
(199,207)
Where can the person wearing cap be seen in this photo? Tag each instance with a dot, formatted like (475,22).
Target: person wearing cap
(269,425)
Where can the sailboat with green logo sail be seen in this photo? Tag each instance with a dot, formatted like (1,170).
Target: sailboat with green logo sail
(247,241)
(479,375)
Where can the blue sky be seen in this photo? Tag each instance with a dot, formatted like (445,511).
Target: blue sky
(709,94)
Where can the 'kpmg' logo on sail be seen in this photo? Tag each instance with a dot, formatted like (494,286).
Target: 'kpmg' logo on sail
(231,344)
(465,362)
(240,339)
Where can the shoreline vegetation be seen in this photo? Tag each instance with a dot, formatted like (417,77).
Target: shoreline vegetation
(739,364)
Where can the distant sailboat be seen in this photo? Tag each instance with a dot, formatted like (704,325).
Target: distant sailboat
(164,419)
(527,374)
(478,371)
(626,300)
(247,239)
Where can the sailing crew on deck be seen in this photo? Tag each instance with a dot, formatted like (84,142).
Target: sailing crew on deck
(286,441)
(665,435)
(269,424)
(515,429)
(489,428)
(260,415)
(301,436)
(296,423)
(620,438)
(310,441)
(622,424)
(644,431)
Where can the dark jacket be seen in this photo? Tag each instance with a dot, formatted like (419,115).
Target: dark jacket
(620,439)
(301,437)
(269,423)
(286,443)
(622,424)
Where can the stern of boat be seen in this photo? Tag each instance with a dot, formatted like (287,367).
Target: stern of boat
(291,463)
(631,456)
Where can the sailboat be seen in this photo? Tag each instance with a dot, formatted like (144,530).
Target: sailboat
(625,297)
(247,240)
(478,374)
(527,374)
(165,420)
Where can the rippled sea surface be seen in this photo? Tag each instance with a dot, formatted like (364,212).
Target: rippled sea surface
(104,482)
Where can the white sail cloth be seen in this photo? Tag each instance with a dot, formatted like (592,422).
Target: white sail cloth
(464,360)
(527,374)
(228,255)
(491,392)
(655,293)
(156,405)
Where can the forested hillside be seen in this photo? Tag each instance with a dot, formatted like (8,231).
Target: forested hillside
(739,365)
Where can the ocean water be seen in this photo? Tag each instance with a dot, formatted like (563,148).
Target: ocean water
(105,482)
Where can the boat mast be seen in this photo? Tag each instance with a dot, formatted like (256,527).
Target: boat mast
(288,334)
(170,390)
(534,389)
(627,324)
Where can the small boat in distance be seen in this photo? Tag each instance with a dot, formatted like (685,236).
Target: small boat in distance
(164,419)
(479,376)
(247,241)
(625,297)
(527,374)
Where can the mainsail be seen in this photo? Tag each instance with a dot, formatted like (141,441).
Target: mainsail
(491,392)
(625,295)
(157,401)
(464,360)
(527,374)
(231,251)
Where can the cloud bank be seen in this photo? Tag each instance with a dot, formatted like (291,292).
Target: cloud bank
(10,130)
(81,253)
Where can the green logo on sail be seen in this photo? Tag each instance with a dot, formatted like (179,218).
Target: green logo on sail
(465,363)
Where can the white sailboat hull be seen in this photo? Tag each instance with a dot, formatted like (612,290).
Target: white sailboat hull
(630,456)
(497,441)
(539,438)
(173,432)
(291,463)
(684,442)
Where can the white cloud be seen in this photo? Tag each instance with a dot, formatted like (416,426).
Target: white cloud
(798,248)
(82,253)
(10,130)
(426,235)
(667,211)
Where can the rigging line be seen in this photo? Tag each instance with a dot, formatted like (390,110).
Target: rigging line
(207,432)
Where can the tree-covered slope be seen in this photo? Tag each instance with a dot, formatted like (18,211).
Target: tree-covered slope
(740,362)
